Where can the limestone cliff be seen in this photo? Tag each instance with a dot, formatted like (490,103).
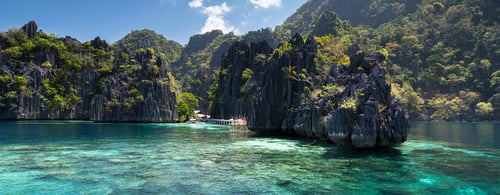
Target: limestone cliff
(366,115)
(289,90)
(137,93)
(41,77)
(45,77)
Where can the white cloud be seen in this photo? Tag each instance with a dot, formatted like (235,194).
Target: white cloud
(215,20)
(266,3)
(196,3)
(217,10)
(217,23)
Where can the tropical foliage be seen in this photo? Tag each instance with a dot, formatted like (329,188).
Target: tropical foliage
(186,105)
(442,56)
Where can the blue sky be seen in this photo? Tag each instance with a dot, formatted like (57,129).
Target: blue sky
(175,19)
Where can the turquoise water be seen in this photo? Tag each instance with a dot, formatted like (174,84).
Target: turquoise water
(74,157)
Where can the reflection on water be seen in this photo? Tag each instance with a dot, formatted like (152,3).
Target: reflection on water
(473,134)
(80,157)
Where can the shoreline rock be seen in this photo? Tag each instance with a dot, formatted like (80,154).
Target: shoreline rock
(350,105)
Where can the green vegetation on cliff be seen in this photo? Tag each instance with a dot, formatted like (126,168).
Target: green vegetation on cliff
(448,52)
(441,58)
(169,51)
(45,77)
(443,55)
(198,65)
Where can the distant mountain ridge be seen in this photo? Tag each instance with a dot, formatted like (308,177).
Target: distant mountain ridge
(149,39)
(358,12)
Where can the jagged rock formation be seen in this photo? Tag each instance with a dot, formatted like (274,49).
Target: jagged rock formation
(269,99)
(30,29)
(45,77)
(230,101)
(35,99)
(141,94)
(138,89)
(40,79)
(289,92)
(23,104)
(367,115)
(158,104)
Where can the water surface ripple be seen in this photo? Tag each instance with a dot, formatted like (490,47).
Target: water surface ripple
(68,157)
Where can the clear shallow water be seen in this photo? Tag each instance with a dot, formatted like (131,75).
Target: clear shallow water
(54,157)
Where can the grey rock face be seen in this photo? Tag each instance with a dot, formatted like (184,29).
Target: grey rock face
(33,102)
(375,120)
(231,98)
(41,85)
(30,29)
(358,112)
(159,104)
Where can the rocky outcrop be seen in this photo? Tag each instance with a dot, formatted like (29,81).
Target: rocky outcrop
(270,99)
(139,94)
(27,96)
(367,115)
(30,29)
(232,97)
(279,105)
(61,78)
(151,101)
(292,92)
